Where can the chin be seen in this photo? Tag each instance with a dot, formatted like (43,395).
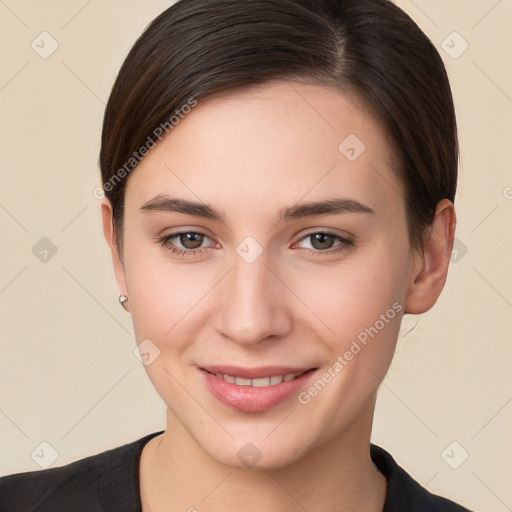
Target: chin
(255,452)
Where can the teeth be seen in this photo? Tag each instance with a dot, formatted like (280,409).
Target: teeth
(260,382)
(276,380)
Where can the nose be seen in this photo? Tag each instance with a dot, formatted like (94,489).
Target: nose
(253,303)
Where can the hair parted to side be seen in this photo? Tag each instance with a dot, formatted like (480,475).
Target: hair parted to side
(370,49)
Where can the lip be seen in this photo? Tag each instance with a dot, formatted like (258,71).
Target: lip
(254,399)
(255,373)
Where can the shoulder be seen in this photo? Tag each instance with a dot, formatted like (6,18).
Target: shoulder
(79,486)
(75,483)
(405,493)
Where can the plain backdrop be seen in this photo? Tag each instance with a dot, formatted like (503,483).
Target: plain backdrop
(68,375)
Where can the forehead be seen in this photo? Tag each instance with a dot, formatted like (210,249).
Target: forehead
(278,142)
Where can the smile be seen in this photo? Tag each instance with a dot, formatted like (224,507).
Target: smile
(261,382)
(255,389)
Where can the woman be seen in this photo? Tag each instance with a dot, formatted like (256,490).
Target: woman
(279,182)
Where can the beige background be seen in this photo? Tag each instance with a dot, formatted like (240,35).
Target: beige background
(68,375)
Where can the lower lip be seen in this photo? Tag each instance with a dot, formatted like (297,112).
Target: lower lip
(254,399)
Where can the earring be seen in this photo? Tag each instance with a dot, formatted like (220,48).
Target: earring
(122,300)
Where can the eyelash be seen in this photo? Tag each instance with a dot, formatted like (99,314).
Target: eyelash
(343,246)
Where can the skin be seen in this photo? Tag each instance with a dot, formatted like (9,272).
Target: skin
(249,154)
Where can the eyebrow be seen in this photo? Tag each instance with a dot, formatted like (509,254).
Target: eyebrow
(164,203)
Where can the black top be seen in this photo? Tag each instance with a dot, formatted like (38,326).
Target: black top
(109,482)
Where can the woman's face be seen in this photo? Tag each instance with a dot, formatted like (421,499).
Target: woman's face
(269,280)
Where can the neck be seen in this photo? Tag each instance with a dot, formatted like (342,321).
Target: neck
(177,474)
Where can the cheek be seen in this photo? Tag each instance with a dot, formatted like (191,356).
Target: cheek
(353,295)
(360,305)
(166,298)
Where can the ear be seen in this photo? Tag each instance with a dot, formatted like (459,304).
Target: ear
(108,231)
(429,267)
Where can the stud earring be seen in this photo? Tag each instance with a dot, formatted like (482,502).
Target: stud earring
(123,299)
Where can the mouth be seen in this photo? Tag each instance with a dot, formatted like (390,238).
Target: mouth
(255,389)
(259,382)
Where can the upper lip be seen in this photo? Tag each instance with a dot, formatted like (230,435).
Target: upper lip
(255,373)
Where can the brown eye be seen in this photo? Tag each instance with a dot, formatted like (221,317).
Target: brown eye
(325,243)
(322,241)
(185,243)
(191,240)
